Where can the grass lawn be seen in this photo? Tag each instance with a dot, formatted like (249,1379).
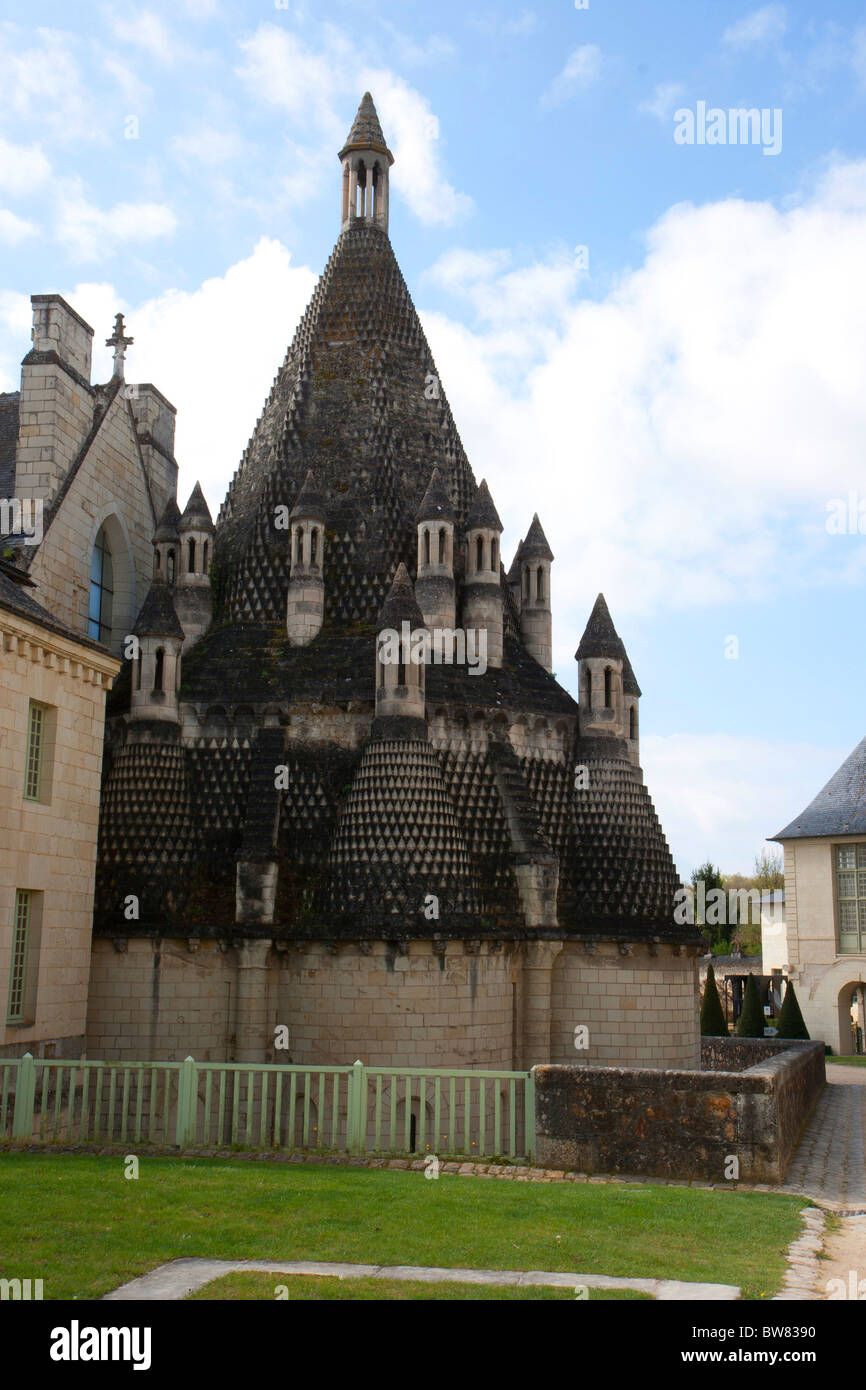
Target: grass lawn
(77,1223)
(318,1289)
(846,1061)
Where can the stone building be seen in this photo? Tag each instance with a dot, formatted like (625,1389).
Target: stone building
(85,470)
(825,907)
(343,789)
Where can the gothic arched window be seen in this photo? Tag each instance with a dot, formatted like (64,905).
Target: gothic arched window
(99,612)
(169,565)
(479,553)
(159,669)
(493,555)
(442,545)
(607,687)
(191,556)
(632,724)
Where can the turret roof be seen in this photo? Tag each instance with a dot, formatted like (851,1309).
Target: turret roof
(482,511)
(436,503)
(535,546)
(196,514)
(366,132)
(401,604)
(601,637)
(157,617)
(167,530)
(310,502)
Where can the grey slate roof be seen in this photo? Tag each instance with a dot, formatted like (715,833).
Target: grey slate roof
(840,806)
(601,637)
(482,511)
(9,403)
(514,571)
(157,617)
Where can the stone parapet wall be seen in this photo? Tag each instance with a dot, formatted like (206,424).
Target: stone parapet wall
(679,1124)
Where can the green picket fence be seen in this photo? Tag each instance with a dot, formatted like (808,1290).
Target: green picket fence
(217,1105)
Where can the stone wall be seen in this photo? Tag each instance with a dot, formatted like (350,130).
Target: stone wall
(679,1124)
(49,845)
(642,1008)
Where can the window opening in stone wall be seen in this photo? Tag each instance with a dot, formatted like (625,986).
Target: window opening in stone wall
(101,590)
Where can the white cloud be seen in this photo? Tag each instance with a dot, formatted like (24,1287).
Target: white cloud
(42,83)
(767,23)
(186,343)
(207,145)
(663,100)
(581,71)
(721,790)
(90,232)
(147,31)
(664,422)
(14,229)
(313,86)
(23,168)
(525,23)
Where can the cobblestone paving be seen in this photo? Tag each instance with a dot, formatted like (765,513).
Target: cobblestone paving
(830,1164)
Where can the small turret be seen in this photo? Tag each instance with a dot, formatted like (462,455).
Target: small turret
(156,669)
(482,594)
(401,644)
(434,587)
(193,600)
(514,577)
(366,162)
(601,658)
(305,604)
(166,545)
(536,558)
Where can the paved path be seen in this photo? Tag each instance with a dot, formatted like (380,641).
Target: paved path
(830,1164)
(174,1281)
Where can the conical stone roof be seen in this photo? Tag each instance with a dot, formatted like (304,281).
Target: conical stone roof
(482,511)
(167,530)
(310,504)
(600,637)
(351,401)
(401,605)
(436,504)
(535,547)
(196,514)
(157,617)
(366,132)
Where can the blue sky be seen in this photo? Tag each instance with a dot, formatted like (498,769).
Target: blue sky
(681,411)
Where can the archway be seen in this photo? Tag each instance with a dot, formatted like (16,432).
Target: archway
(852,1018)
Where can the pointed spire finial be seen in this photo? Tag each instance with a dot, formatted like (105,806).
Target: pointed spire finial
(120,343)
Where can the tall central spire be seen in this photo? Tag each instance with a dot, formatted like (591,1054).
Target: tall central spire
(366,162)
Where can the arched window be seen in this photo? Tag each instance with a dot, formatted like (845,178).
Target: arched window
(479,553)
(204,558)
(526,582)
(138,671)
(401,673)
(539,583)
(632,723)
(298,533)
(314,546)
(442,545)
(607,700)
(588,688)
(159,669)
(493,561)
(426,546)
(99,610)
(190,564)
(169,565)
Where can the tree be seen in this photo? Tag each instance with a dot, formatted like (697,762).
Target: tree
(791,1023)
(769,870)
(713,1023)
(712,877)
(751,1024)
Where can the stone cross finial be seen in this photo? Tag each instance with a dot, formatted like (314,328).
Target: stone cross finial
(120,344)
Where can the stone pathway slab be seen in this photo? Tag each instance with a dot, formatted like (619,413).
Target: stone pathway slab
(175,1280)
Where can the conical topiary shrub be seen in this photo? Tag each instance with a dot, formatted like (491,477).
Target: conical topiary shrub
(751,1024)
(713,1023)
(791,1023)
